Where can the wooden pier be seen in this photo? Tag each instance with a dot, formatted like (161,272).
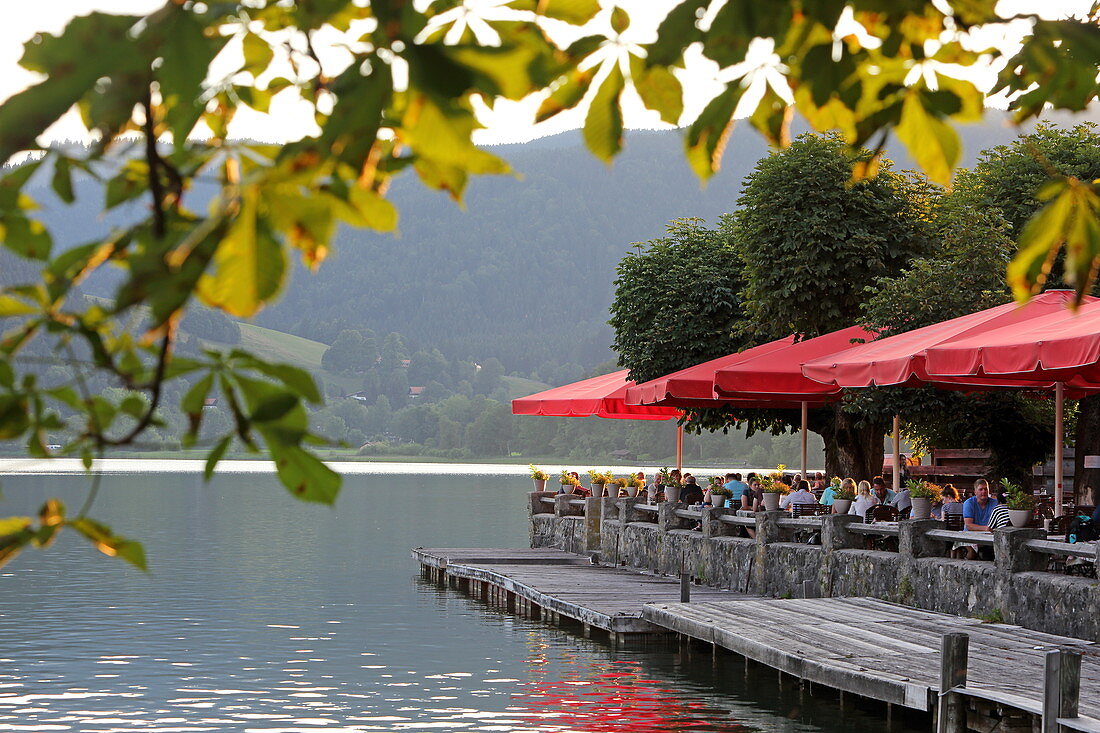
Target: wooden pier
(972,675)
(886,651)
(538,582)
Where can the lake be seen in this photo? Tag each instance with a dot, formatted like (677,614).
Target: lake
(261,613)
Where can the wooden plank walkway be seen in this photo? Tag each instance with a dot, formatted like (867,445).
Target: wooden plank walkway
(881,650)
(562,583)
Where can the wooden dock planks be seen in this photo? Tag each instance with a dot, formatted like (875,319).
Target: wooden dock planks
(605,597)
(872,648)
(878,649)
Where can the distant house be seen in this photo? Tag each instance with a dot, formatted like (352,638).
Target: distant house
(623,454)
(210,402)
(357,396)
(415,391)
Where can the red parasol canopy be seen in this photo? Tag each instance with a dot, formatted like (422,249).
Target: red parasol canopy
(778,375)
(602,396)
(1062,346)
(694,386)
(900,359)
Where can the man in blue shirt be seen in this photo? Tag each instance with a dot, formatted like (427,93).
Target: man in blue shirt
(977,511)
(737,488)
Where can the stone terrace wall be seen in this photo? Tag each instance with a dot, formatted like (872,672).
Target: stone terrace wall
(615,532)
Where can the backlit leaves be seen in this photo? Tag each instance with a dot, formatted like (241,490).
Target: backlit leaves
(603,126)
(1070,219)
(933,143)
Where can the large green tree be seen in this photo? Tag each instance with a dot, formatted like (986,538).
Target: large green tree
(809,240)
(391,87)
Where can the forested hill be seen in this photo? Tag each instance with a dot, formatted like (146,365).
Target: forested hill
(525,272)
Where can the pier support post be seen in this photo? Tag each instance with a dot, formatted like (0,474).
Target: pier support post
(1061,687)
(685,587)
(951,710)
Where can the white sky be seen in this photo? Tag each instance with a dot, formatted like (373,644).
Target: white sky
(508,122)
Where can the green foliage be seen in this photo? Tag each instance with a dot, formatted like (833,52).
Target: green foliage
(1016,497)
(807,236)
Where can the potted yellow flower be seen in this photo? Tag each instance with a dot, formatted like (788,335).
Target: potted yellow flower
(923,494)
(773,489)
(539,477)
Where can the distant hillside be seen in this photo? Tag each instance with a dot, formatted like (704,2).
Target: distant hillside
(524,273)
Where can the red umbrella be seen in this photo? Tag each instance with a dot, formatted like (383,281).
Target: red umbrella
(777,375)
(1063,346)
(694,386)
(603,396)
(902,359)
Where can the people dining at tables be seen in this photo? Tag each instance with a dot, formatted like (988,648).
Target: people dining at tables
(950,503)
(880,490)
(691,493)
(801,495)
(865,499)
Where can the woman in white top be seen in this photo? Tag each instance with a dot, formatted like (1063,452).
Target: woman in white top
(864,500)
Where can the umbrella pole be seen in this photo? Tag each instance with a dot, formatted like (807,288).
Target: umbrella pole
(805,422)
(1059,446)
(897,453)
(679,448)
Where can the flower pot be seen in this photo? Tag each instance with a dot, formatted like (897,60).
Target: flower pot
(672,493)
(631,491)
(1019,517)
(540,484)
(771,501)
(922,508)
(841,506)
(565,488)
(598,489)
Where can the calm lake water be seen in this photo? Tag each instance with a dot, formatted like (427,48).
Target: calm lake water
(264,614)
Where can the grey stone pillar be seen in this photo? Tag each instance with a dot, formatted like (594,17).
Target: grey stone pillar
(627,512)
(913,541)
(535,505)
(562,508)
(835,534)
(1011,555)
(667,519)
(712,524)
(593,514)
(767,526)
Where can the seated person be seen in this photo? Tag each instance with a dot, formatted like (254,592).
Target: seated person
(977,512)
(903,501)
(801,495)
(865,499)
(883,494)
(691,493)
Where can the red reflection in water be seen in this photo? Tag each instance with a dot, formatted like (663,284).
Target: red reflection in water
(618,701)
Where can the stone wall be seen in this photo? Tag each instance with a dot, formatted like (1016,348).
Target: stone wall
(616,532)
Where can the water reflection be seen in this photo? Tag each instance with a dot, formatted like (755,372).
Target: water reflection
(261,614)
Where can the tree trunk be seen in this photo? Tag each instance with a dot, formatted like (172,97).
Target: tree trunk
(1086,442)
(850,450)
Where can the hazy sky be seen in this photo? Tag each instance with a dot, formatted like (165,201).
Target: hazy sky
(508,122)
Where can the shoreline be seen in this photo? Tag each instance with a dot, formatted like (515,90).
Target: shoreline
(72,466)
